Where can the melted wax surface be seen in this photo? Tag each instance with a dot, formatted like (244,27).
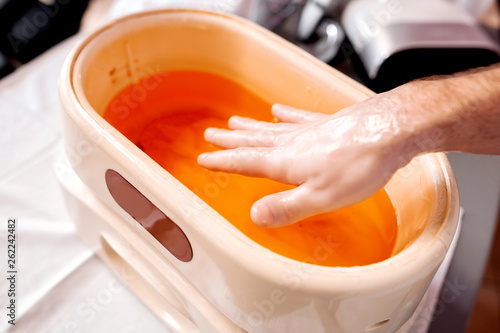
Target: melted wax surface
(166,115)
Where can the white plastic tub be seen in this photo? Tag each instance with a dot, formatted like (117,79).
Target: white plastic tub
(229,283)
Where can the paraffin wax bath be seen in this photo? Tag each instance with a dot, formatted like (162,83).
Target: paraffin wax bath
(166,115)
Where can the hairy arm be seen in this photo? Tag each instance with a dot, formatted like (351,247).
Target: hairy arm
(341,159)
(464,108)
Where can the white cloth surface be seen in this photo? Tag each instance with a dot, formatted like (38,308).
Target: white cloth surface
(61,285)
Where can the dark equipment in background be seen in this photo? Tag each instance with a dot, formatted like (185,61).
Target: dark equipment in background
(403,47)
(30,27)
(415,40)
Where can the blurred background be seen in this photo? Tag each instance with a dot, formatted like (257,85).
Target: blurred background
(381,43)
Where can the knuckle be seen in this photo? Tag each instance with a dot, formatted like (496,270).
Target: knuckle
(279,139)
(288,208)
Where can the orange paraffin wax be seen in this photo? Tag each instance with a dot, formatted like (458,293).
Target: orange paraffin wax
(166,114)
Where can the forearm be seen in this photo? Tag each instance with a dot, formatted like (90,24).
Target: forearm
(453,113)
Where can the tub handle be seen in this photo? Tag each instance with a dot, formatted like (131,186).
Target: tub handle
(160,285)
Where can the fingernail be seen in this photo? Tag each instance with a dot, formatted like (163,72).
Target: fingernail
(262,217)
(277,106)
(209,132)
(202,157)
(232,121)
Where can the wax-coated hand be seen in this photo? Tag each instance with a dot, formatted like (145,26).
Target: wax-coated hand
(334,160)
(341,159)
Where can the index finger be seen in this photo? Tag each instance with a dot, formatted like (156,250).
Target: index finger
(253,162)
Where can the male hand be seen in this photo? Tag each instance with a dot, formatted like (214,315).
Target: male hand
(334,160)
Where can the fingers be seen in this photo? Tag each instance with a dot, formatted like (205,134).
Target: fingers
(241,123)
(284,208)
(292,115)
(239,138)
(252,162)
(248,132)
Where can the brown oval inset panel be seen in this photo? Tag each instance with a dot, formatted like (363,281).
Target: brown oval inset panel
(160,226)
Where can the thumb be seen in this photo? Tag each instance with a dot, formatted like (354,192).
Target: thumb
(284,208)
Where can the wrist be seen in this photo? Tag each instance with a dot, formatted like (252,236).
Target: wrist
(423,117)
(407,132)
